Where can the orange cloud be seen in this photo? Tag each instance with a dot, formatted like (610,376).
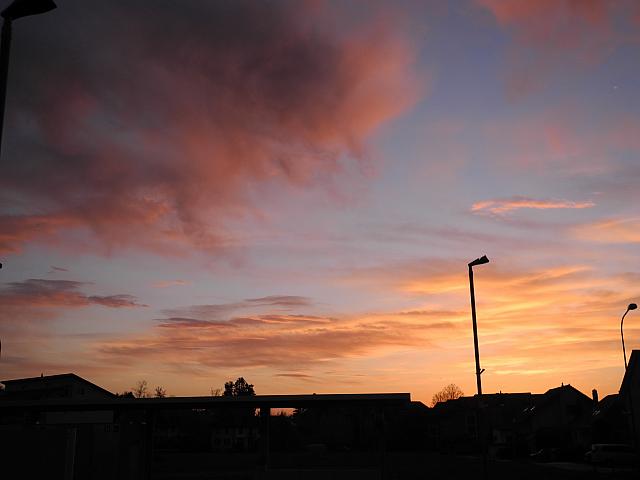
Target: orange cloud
(261,341)
(537,327)
(507,205)
(523,313)
(612,230)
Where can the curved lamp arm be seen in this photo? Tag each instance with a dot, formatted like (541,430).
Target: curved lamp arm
(632,306)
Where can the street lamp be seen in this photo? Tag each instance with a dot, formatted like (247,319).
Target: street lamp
(632,306)
(481,418)
(478,261)
(17,9)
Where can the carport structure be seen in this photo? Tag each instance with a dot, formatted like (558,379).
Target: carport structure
(113,411)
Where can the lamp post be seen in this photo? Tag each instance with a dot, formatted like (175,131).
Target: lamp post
(481,431)
(632,417)
(632,306)
(17,9)
(478,261)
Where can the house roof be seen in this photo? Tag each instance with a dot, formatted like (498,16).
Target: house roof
(487,399)
(417,405)
(554,393)
(632,371)
(72,377)
(606,404)
(548,398)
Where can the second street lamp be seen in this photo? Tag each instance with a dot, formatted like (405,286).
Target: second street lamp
(632,306)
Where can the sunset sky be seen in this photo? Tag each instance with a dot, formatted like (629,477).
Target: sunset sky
(290,191)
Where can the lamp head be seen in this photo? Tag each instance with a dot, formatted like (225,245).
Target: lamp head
(632,306)
(24,8)
(479,261)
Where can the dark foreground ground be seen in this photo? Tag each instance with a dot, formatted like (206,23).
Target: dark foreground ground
(363,466)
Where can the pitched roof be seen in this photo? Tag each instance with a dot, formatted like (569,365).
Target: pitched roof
(633,370)
(553,393)
(606,404)
(62,376)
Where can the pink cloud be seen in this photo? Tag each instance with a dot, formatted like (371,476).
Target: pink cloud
(507,205)
(54,269)
(550,34)
(157,145)
(15,230)
(170,283)
(567,137)
(36,292)
(529,14)
(217,311)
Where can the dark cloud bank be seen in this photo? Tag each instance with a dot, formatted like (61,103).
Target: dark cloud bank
(148,123)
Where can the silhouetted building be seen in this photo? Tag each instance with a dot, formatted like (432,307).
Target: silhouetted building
(610,421)
(339,427)
(409,427)
(456,424)
(501,411)
(77,430)
(559,419)
(66,385)
(630,395)
(69,442)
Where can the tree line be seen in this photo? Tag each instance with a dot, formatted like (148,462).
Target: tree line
(241,388)
(238,388)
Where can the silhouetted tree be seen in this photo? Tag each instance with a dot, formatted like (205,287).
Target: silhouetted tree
(239,388)
(450,392)
(125,395)
(228,389)
(216,392)
(159,392)
(141,389)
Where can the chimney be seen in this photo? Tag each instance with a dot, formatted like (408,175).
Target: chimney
(594,395)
